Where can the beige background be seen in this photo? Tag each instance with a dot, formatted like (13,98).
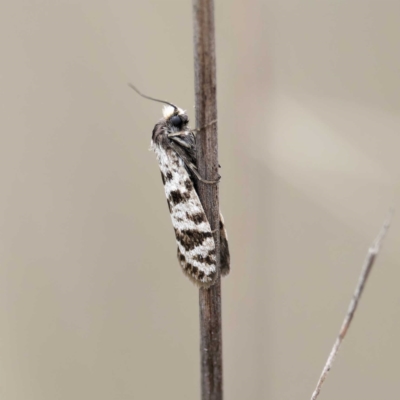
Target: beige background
(92,302)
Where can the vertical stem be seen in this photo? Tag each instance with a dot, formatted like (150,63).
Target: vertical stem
(207,142)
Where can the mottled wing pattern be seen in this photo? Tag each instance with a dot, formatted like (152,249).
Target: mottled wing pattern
(196,247)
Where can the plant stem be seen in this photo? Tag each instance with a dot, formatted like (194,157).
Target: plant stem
(207,155)
(366,269)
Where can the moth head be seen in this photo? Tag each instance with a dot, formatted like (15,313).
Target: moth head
(176,119)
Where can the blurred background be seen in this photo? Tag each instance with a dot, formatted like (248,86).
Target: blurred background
(93,304)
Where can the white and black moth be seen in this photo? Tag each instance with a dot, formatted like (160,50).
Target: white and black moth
(175,146)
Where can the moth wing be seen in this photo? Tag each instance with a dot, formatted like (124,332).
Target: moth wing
(224,250)
(225,258)
(196,246)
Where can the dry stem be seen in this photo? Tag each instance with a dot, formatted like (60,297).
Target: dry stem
(366,269)
(207,153)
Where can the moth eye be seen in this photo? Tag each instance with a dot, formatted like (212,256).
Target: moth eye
(176,121)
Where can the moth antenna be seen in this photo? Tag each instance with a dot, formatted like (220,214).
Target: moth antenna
(151,98)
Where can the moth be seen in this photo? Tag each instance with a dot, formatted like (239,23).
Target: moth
(174,144)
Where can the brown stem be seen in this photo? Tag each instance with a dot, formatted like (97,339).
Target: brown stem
(207,154)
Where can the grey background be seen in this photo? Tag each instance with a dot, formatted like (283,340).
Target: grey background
(92,302)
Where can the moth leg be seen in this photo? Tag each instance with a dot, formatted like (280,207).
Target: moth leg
(181,142)
(209,182)
(188,162)
(205,126)
(175,134)
(198,176)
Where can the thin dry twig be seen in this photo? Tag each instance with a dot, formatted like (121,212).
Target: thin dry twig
(207,154)
(366,269)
